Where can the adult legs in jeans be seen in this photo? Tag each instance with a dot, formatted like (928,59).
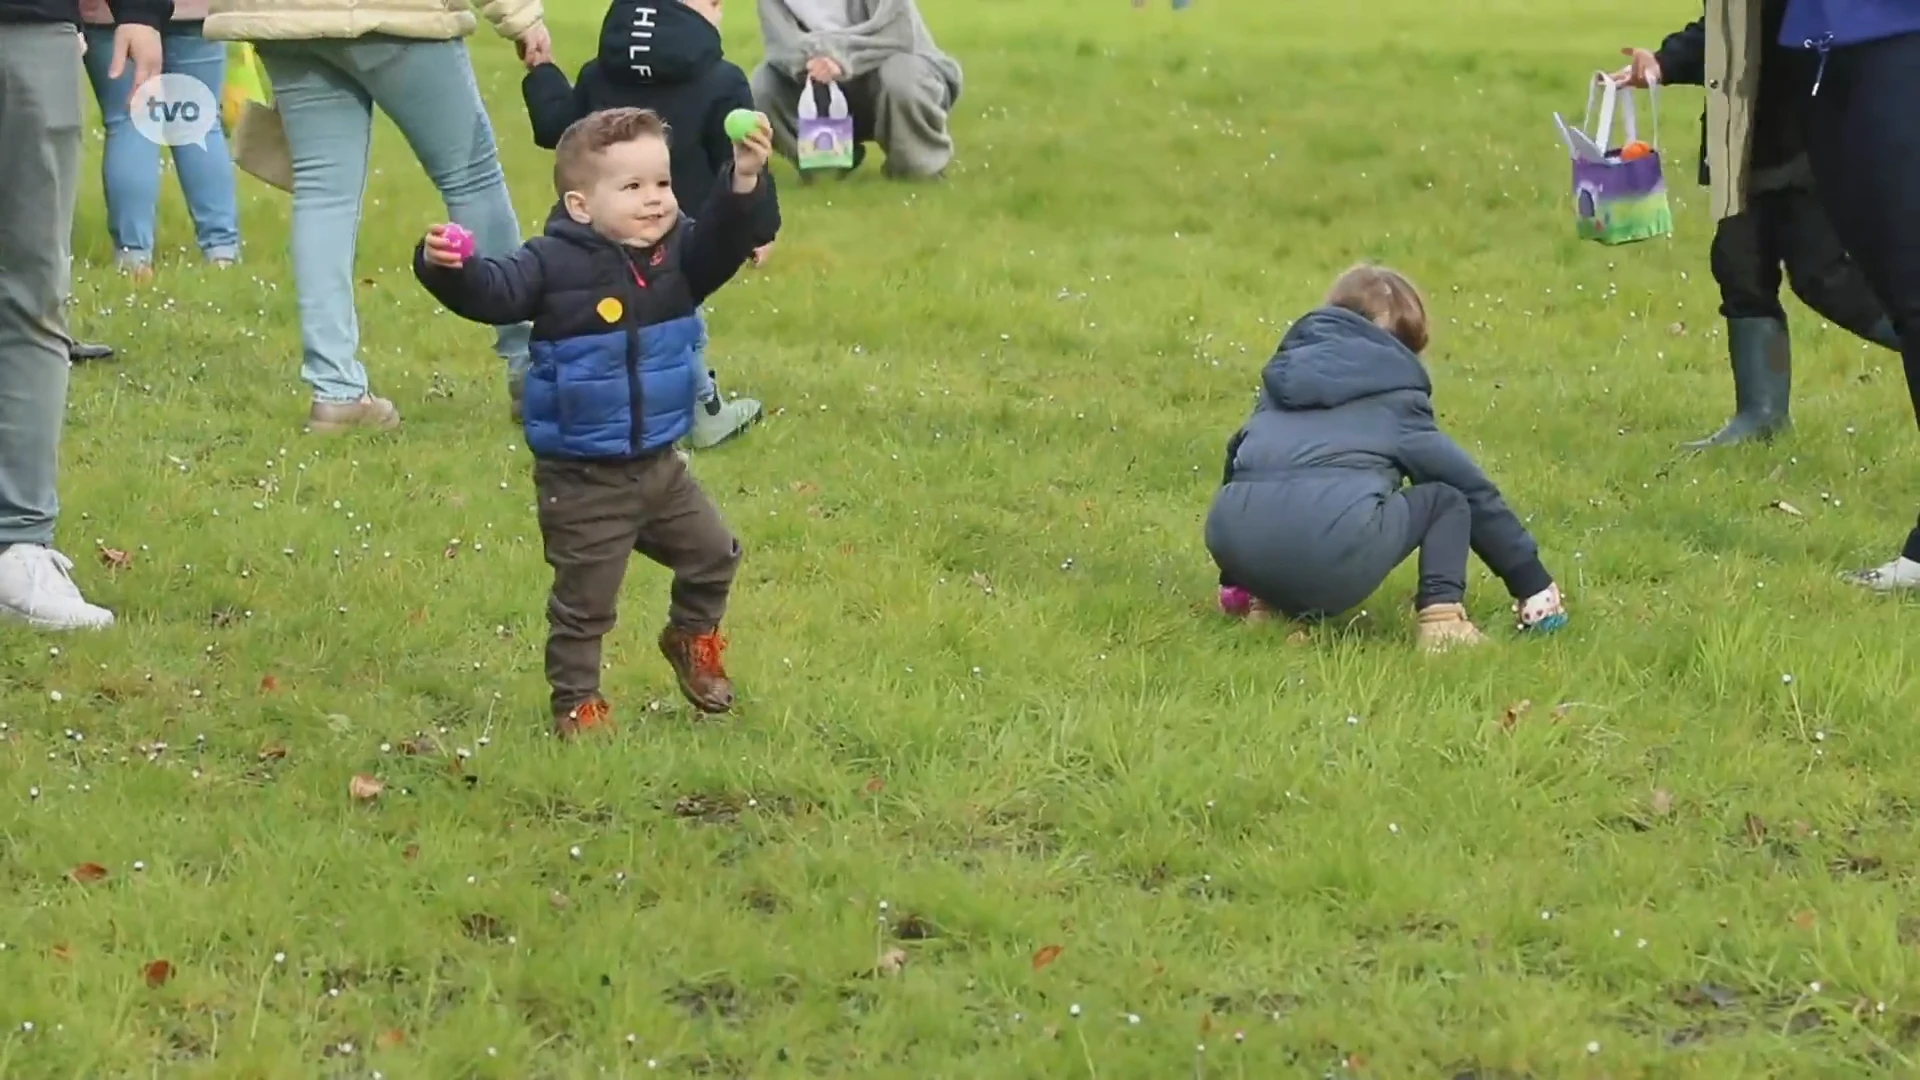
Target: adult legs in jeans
(1865,152)
(130,166)
(326,91)
(39,180)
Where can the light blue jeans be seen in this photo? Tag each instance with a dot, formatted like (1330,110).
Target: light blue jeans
(130,168)
(326,91)
(705,388)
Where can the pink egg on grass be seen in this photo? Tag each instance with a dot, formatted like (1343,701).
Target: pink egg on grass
(460,238)
(1235,600)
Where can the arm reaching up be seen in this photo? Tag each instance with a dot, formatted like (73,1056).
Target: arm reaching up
(741,215)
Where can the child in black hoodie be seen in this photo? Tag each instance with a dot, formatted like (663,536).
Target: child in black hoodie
(665,56)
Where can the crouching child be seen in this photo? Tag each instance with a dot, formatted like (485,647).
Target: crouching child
(613,289)
(1312,516)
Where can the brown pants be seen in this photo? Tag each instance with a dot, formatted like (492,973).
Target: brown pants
(593,516)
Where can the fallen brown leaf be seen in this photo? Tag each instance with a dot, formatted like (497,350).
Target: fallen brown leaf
(873,786)
(981,581)
(891,962)
(1804,919)
(273,752)
(1206,1022)
(1300,637)
(114,558)
(1047,954)
(61,952)
(158,973)
(801,487)
(1756,829)
(268,684)
(389,1039)
(1662,801)
(364,787)
(87,873)
(1785,507)
(1514,712)
(558,900)
(410,852)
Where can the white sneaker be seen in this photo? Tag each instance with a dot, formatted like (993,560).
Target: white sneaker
(36,589)
(1901,573)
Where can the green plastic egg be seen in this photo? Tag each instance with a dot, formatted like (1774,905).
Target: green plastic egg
(742,123)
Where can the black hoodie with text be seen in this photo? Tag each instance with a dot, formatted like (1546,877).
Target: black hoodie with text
(659,55)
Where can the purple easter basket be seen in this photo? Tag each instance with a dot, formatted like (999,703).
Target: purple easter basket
(824,142)
(1616,200)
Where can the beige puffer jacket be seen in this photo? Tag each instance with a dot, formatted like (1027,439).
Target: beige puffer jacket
(1734,43)
(301,20)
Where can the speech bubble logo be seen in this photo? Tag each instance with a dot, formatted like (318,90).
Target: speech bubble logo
(175,110)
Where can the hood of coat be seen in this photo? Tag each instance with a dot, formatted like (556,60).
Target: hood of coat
(1333,356)
(657,41)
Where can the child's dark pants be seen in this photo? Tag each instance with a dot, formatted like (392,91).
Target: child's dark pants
(1788,227)
(593,517)
(1439,524)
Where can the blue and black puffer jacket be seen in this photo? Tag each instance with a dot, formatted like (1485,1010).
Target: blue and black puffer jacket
(615,360)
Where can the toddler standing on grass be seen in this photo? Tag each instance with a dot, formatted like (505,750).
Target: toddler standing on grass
(613,291)
(1311,516)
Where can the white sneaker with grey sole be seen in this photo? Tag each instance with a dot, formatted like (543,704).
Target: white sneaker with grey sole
(1900,574)
(36,588)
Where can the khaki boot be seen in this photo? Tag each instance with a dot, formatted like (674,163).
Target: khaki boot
(331,417)
(1444,626)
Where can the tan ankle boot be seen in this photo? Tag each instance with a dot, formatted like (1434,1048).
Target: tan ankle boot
(1444,626)
(328,417)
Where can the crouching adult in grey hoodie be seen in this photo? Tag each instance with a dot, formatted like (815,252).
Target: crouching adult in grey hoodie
(1311,516)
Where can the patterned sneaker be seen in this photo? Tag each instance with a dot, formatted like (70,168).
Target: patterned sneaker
(591,715)
(698,668)
(1543,612)
(1899,575)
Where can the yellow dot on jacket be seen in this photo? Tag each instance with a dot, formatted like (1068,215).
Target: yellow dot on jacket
(610,309)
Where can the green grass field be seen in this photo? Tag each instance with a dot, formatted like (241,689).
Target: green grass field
(989,714)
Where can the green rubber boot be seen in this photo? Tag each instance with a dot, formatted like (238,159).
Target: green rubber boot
(1762,383)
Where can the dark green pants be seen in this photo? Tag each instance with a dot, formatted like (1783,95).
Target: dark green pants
(593,517)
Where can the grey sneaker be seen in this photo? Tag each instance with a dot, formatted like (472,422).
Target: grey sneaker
(332,417)
(718,420)
(1899,575)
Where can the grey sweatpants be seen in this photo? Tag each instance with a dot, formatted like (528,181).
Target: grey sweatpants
(902,105)
(40,79)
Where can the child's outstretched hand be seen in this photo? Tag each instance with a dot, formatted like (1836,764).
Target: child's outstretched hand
(448,246)
(761,253)
(750,157)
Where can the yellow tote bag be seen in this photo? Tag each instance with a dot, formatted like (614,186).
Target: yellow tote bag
(246,81)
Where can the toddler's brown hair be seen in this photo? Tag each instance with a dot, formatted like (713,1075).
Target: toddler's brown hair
(1385,298)
(576,160)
